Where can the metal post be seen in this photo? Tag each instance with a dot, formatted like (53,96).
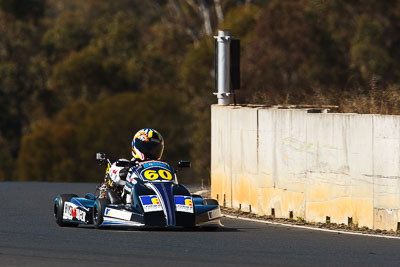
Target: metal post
(223,74)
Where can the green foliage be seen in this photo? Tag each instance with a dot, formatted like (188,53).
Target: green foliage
(241,21)
(77,77)
(70,33)
(300,49)
(282,40)
(63,149)
(19,40)
(198,81)
(81,75)
(368,55)
(24,8)
(6,161)
(197,70)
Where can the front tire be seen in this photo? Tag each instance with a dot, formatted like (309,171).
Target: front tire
(59,209)
(98,211)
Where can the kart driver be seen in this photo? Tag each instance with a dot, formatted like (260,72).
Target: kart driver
(147,144)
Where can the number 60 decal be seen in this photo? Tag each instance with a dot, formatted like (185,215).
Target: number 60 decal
(154,174)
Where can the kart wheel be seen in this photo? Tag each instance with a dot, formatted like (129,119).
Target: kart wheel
(59,209)
(98,211)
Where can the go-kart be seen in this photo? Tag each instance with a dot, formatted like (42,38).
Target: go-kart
(151,197)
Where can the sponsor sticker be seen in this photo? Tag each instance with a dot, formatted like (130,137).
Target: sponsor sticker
(184,204)
(153,163)
(214,214)
(150,203)
(72,212)
(119,214)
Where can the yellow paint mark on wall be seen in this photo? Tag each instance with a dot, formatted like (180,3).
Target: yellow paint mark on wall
(221,188)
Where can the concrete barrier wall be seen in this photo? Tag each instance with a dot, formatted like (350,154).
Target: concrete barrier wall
(307,165)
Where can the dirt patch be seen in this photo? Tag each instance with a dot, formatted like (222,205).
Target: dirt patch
(300,221)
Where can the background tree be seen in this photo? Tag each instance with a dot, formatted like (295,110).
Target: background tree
(77,76)
(64,148)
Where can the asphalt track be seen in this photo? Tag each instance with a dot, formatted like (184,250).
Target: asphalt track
(30,236)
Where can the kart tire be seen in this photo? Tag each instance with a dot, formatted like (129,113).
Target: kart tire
(59,209)
(98,211)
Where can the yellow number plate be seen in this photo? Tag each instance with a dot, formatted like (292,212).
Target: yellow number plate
(156,174)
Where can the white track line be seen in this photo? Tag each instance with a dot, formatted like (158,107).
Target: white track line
(309,227)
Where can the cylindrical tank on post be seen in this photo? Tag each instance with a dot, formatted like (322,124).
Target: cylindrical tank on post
(222,68)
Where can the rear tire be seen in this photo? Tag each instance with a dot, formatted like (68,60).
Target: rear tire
(98,211)
(59,209)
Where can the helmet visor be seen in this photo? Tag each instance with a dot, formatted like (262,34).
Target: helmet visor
(151,150)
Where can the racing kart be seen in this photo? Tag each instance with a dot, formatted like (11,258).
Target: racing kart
(152,197)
